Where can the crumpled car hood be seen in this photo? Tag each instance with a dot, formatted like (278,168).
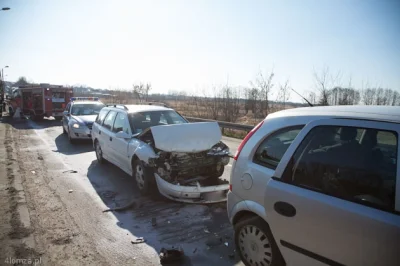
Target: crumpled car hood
(190,137)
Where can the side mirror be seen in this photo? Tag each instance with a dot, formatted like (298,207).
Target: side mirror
(123,135)
(66,113)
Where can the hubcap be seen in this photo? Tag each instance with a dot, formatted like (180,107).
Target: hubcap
(98,152)
(254,246)
(139,176)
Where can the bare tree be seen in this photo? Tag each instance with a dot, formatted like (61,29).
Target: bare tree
(284,93)
(20,82)
(141,91)
(343,96)
(230,103)
(368,96)
(264,85)
(324,82)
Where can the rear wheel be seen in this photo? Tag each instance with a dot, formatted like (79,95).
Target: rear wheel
(99,153)
(255,243)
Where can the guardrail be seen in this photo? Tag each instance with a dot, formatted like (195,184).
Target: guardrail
(222,124)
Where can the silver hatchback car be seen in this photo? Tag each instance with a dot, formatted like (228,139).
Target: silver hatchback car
(319,186)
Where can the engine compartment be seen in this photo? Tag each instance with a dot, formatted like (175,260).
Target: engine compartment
(189,169)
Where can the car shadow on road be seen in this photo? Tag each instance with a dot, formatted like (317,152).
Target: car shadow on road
(26,123)
(65,147)
(203,231)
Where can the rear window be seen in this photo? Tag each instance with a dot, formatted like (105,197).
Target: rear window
(109,121)
(101,116)
(272,149)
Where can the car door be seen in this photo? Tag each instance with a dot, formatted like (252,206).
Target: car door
(119,146)
(106,135)
(332,200)
(66,117)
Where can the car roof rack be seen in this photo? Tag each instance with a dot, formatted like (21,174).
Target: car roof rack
(117,105)
(156,104)
(75,99)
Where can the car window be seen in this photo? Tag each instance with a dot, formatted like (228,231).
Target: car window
(101,116)
(331,160)
(143,120)
(120,123)
(86,109)
(109,120)
(272,149)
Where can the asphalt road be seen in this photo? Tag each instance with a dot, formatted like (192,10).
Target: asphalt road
(203,231)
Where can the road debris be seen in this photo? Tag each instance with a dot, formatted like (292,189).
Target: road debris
(127,206)
(33,172)
(108,194)
(70,191)
(70,171)
(40,158)
(154,221)
(231,256)
(226,244)
(138,240)
(206,231)
(171,255)
(194,251)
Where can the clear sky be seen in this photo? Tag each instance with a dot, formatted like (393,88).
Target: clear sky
(194,45)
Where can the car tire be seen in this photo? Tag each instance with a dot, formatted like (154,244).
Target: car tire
(99,153)
(71,140)
(64,131)
(58,118)
(144,179)
(255,243)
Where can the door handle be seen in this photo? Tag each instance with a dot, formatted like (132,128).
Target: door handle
(285,209)
(110,138)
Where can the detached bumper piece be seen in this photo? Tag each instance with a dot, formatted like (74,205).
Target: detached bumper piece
(192,194)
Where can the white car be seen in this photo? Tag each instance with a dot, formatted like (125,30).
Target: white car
(163,151)
(79,116)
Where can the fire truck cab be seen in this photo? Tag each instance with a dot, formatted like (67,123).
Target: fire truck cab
(44,100)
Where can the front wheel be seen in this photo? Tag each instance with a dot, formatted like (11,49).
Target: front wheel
(255,243)
(58,118)
(143,177)
(71,140)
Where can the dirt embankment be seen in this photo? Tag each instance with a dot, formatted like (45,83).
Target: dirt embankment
(35,226)
(16,238)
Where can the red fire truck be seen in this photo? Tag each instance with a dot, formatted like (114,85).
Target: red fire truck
(41,100)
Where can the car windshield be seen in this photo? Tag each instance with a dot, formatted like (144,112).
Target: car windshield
(86,109)
(143,120)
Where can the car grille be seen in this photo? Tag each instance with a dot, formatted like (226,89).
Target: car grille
(89,125)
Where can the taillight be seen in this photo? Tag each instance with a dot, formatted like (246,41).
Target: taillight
(248,136)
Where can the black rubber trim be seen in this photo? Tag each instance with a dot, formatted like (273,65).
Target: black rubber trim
(310,254)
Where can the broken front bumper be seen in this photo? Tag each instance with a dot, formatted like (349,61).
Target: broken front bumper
(192,194)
